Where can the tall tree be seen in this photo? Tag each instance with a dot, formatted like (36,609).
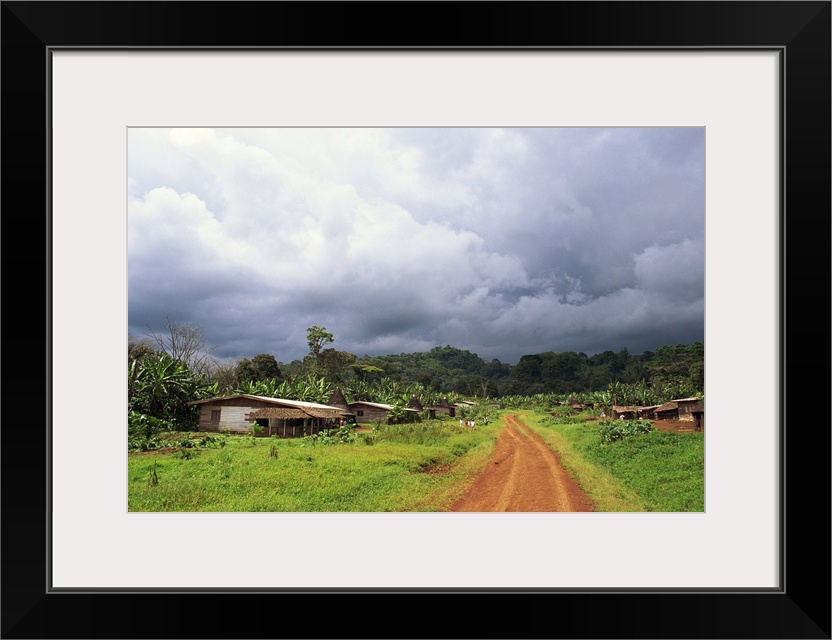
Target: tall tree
(263,366)
(316,338)
(332,363)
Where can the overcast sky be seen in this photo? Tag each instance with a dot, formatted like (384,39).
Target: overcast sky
(503,242)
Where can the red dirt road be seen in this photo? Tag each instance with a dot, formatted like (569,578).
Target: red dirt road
(523,475)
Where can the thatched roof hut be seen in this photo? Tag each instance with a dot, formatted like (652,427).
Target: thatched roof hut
(444,407)
(628,412)
(414,403)
(295,414)
(338,400)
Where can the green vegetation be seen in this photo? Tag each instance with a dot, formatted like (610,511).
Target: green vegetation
(419,467)
(642,470)
(416,464)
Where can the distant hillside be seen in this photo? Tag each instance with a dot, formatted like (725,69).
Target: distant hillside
(450,369)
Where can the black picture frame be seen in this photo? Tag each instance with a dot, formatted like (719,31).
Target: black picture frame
(800,31)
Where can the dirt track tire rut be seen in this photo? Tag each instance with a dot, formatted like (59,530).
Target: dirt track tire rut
(523,475)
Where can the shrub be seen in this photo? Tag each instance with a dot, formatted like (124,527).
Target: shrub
(211,442)
(140,425)
(341,435)
(623,429)
(186,454)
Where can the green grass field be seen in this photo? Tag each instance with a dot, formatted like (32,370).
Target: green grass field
(655,471)
(421,467)
(415,467)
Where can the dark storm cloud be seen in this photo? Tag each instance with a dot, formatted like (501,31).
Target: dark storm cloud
(503,242)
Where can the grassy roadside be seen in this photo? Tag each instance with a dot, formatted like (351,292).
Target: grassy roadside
(657,471)
(421,467)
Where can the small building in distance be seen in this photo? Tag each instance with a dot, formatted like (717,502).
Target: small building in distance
(648,413)
(681,409)
(365,412)
(414,404)
(443,408)
(698,412)
(628,412)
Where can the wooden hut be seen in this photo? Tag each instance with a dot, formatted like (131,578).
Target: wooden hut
(648,413)
(575,405)
(444,408)
(681,409)
(625,412)
(278,416)
(338,401)
(414,404)
(698,412)
(687,406)
(372,411)
(667,411)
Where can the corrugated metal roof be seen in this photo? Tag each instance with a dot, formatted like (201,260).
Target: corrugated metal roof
(279,401)
(386,407)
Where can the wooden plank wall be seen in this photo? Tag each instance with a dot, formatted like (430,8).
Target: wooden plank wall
(232,417)
(371,414)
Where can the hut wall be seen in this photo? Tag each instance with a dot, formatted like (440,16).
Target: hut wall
(232,414)
(232,417)
(672,414)
(371,414)
(698,420)
(686,410)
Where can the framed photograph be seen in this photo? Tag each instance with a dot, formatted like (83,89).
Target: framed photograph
(752,77)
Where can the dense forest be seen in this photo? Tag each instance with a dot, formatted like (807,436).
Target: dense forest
(451,369)
(165,371)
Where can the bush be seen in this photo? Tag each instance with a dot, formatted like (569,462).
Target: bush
(211,442)
(143,431)
(341,435)
(623,429)
(560,419)
(140,425)
(186,453)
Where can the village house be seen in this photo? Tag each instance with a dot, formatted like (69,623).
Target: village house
(278,416)
(685,409)
(648,413)
(338,401)
(444,407)
(414,404)
(697,410)
(628,412)
(365,412)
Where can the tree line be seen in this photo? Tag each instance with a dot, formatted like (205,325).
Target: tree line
(167,370)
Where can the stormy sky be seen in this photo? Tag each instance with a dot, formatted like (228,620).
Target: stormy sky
(503,242)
